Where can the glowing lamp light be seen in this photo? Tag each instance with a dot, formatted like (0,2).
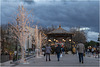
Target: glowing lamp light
(70,40)
(49,40)
(54,39)
(64,40)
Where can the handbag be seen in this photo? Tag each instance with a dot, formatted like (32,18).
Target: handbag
(60,55)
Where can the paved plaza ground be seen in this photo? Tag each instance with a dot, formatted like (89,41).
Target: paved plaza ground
(67,60)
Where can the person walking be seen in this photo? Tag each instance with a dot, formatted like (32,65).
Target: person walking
(48,51)
(97,52)
(43,50)
(58,51)
(87,50)
(81,50)
(63,51)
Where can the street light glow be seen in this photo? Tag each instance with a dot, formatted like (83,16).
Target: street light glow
(49,40)
(54,39)
(69,39)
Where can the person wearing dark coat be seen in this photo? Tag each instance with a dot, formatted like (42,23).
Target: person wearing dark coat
(58,51)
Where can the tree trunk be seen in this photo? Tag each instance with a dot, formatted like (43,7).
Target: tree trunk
(23,55)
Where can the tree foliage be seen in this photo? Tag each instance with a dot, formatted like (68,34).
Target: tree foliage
(91,43)
(44,31)
(7,42)
(79,36)
(47,29)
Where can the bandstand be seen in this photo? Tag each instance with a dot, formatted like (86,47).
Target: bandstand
(60,36)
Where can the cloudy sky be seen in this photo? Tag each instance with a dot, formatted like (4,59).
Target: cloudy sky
(68,13)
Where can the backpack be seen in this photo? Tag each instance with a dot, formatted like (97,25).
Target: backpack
(58,49)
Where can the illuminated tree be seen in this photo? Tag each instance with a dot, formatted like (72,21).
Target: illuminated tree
(21,29)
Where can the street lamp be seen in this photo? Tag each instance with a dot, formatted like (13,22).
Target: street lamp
(49,40)
(70,40)
(63,40)
(54,39)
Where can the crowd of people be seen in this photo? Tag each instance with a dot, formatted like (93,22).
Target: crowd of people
(90,51)
(58,51)
(80,49)
(93,51)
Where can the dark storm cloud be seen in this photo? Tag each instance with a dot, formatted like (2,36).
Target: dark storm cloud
(70,14)
(29,1)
